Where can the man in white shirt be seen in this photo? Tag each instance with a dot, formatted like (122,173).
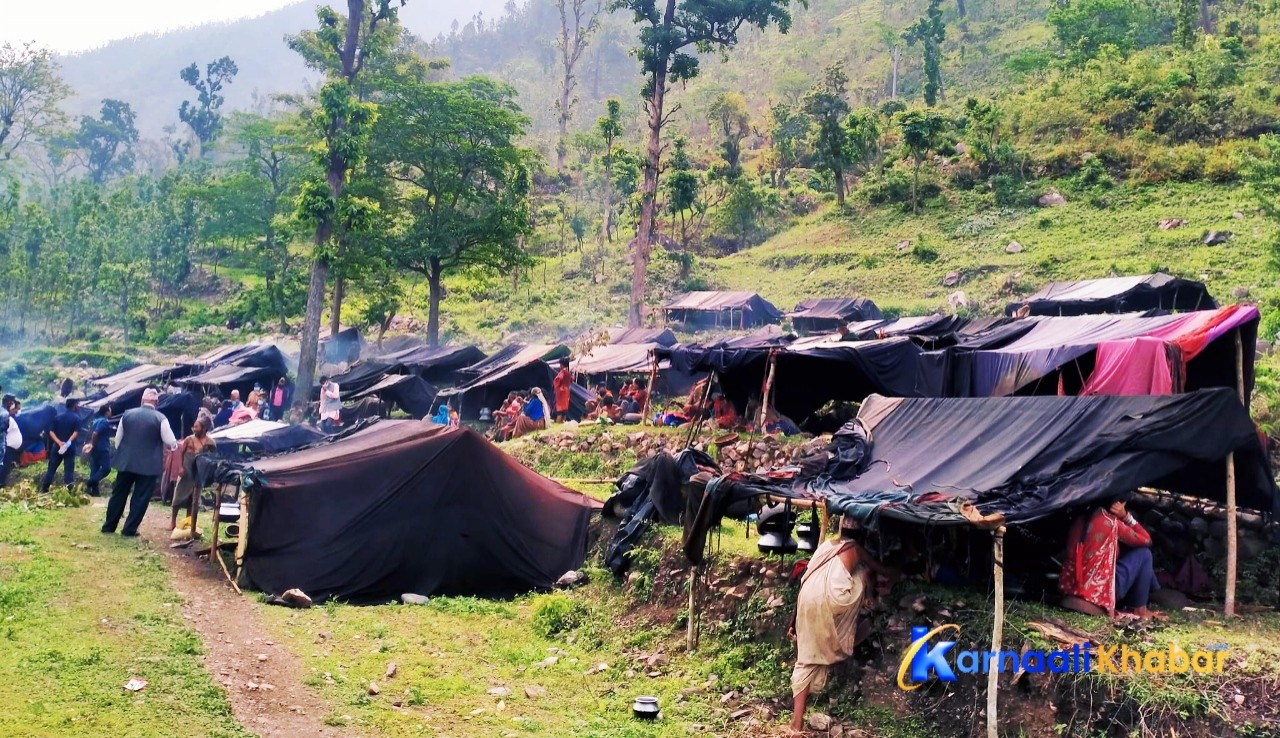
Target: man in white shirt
(330,405)
(12,438)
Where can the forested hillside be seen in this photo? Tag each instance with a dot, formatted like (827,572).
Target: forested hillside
(489,181)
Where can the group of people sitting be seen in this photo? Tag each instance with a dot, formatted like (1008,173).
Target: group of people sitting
(627,407)
(272,404)
(521,414)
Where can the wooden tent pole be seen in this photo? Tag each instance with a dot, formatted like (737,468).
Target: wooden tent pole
(766,393)
(997,631)
(691,631)
(1229,601)
(648,395)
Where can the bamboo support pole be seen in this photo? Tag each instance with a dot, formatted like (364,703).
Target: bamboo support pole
(691,631)
(997,632)
(1229,600)
(766,393)
(648,395)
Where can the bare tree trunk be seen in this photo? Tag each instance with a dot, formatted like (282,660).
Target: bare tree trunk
(335,308)
(562,143)
(838,175)
(436,292)
(324,229)
(649,190)
(1206,16)
(893,83)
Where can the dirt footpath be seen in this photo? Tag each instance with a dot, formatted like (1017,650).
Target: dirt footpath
(262,679)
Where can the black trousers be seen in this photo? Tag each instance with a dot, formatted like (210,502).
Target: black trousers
(10,461)
(136,489)
(68,463)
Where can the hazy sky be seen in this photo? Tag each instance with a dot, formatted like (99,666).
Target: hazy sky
(75,25)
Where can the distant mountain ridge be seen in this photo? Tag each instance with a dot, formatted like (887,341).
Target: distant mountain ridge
(143,71)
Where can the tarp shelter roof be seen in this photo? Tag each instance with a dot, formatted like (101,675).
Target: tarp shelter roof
(631,357)
(239,365)
(226,374)
(1020,353)
(845,309)
(718,301)
(660,336)
(140,373)
(251,429)
(1117,295)
(766,337)
(1029,457)
(428,361)
(121,397)
(408,506)
(362,375)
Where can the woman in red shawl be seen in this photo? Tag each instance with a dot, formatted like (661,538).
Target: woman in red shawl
(561,385)
(1099,575)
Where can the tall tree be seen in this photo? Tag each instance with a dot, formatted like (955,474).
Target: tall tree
(892,42)
(787,137)
(922,132)
(579,20)
(30,93)
(463,199)
(205,116)
(682,197)
(827,106)
(728,116)
(929,31)
(1186,17)
(609,126)
(340,48)
(106,142)
(669,30)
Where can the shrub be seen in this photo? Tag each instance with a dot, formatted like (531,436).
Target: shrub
(1010,192)
(557,613)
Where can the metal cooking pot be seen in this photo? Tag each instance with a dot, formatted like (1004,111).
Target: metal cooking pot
(645,708)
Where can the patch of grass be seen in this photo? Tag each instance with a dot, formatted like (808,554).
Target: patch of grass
(81,614)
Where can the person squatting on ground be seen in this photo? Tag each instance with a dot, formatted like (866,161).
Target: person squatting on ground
(99,450)
(330,405)
(12,438)
(63,447)
(832,590)
(141,440)
(1109,564)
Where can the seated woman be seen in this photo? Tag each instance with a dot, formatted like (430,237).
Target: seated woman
(247,412)
(724,413)
(533,417)
(607,412)
(1108,564)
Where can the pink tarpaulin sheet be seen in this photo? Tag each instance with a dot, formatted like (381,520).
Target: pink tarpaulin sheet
(1138,366)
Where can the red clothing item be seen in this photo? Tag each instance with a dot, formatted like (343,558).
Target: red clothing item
(561,383)
(1090,570)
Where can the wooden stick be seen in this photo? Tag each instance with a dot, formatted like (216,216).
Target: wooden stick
(767,391)
(1229,601)
(997,632)
(648,395)
(691,632)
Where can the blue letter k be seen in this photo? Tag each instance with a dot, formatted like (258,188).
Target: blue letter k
(934,658)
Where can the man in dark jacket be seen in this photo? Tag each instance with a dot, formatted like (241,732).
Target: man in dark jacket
(141,440)
(64,442)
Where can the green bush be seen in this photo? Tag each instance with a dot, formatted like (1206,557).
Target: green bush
(557,613)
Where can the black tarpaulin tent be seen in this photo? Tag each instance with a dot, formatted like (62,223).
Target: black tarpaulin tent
(409,391)
(826,315)
(408,507)
(1029,457)
(516,368)
(1117,295)
(710,310)
(807,376)
(439,365)
(238,368)
(156,374)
